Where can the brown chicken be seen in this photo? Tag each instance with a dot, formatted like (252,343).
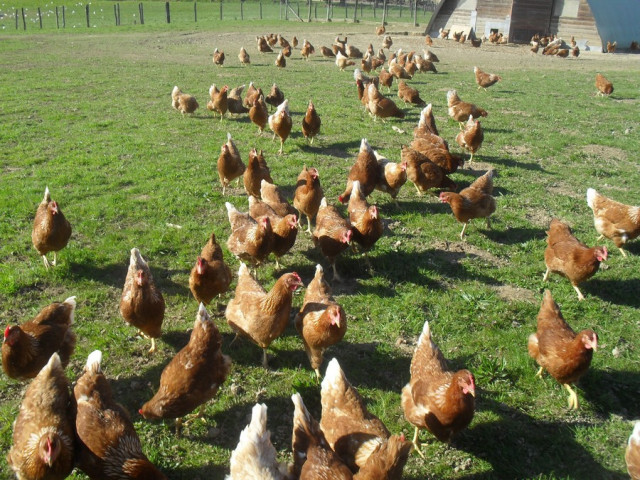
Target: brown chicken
(183,102)
(343,61)
(569,257)
(471,137)
(257,170)
(142,304)
(332,234)
(307,50)
(391,176)
(219,101)
(251,241)
(485,80)
(398,71)
(427,125)
(263,45)
(280,123)
(230,166)
(559,350)
(364,218)
(321,322)
(244,57)
(218,57)
(281,61)
(460,111)
(365,170)
(632,453)
(28,347)
(259,315)
(308,195)
(363,96)
(327,52)
(437,151)
(425,65)
(275,96)
(381,106)
(193,376)
(614,220)
(476,42)
(51,230)
(437,398)
(259,114)
(611,47)
(43,432)
(271,195)
(285,228)
(109,447)
(428,40)
(387,42)
(359,438)
(255,456)
(386,79)
(311,123)
(234,101)
(425,174)
(408,94)
(604,86)
(252,95)
(210,276)
(475,201)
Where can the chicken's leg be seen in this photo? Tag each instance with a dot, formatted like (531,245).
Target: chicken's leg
(55,259)
(45,261)
(546,275)
(265,358)
(624,254)
(277,264)
(471,158)
(418,190)
(463,229)
(488,223)
(281,151)
(539,374)
(573,397)
(580,296)
(336,275)
(153,345)
(309,225)
(416,443)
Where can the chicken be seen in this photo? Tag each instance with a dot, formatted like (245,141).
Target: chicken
(332,234)
(275,96)
(476,42)
(257,170)
(364,169)
(244,57)
(285,228)
(142,304)
(321,322)
(43,432)
(475,201)
(471,137)
(437,151)
(380,30)
(381,106)
(283,42)
(616,221)
(558,349)
(427,126)
(308,195)
(428,40)
(311,123)
(387,42)
(391,176)
(280,123)
(327,52)
(193,376)
(219,101)
(234,101)
(604,86)
(263,45)
(365,63)
(210,276)
(294,42)
(230,166)
(443,33)
(218,57)
(408,94)
(424,173)
(632,453)
(108,446)
(411,68)
(575,51)
(425,65)
(364,218)
(253,93)
(363,96)
(398,70)
(307,50)
(259,315)
(250,240)
(437,398)
(271,195)
(569,257)
(255,457)
(258,113)
(342,61)
(535,46)
(485,80)
(357,436)
(51,230)
(183,102)
(386,79)
(611,47)
(281,61)
(353,51)
(460,111)
(27,348)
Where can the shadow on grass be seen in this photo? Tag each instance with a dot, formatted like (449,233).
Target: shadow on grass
(189,473)
(613,392)
(511,236)
(495,161)
(620,292)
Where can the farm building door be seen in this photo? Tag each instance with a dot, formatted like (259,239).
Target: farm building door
(529,17)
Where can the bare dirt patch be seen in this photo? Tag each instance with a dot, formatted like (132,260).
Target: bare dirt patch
(514,294)
(517,150)
(469,251)
(605,153)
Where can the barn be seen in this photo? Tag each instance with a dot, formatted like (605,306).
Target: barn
(591,22)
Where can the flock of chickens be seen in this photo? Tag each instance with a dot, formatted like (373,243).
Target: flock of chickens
(57,429)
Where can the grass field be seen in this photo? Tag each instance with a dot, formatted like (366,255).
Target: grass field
(89,115)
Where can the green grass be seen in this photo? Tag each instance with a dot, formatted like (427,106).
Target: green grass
(89,115)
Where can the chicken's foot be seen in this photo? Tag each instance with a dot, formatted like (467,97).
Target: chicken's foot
(336,275)
(153,345)
(624,254)
(281,151)
(55,259)
(265,358)
(234,339)
(309,225)
(539,374)
(463,229)
(573,397)
(418,190)
(45,261)
(546,275)
(416,443)
(580,295)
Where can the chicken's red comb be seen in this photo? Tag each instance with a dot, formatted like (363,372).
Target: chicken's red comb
(6,331)
(402,439)
(140,412)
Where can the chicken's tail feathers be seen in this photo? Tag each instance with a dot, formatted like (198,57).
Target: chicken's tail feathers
(355,188)
(54,363)
(243,270)
(426,333)
(203,315)
(230,209)
(591,197)
(323,202)
(364,145)
(333,377)
(72,302)
(635,435)
(319,270)
(47,194)
(93,362)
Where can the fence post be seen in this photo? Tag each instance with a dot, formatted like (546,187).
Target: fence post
(168,11)
(384,12)
(24,20)
(86,9)
(40,17)
(328,9)
(260,10)
(115,13)
(16,19)
(57,18)
(286,10)
(241,10)
(119,16)
(141,9)
(220,10)
(64,17)
(315,11)
(355,13)
(195,12)
(415,13)
(309,13)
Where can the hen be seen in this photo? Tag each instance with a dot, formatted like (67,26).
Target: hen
(28,347)
(51,230)
(485,80)
(234,101)
(569,257)
(365,170)
(275,96)
(258,113)
(437,151)
(386,79)
(218,57)
(391,176)
(471,137)
(460,111)
(109,447)
(257,170)
(244,57)
(632,453)
(423,173)
(285,228)
(558,349)
(360,438)
(281,61)
(308,195)
(252,95)
(307,50)
(259,315)
(255,457)
(280,123)
(364,218)
(250,240)
(210,276)
(614,220)
(342,61)
(219,101)
(183,102)
(332,234)
(271,195)
(321,322)
(408,94)
(437,398)
(311,123)
(193,376)
(475,201)
(43,433)
(230,164)
(381,106)
(327,52)
(142,304)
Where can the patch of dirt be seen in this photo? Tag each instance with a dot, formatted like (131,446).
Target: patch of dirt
(605,153)
(469,250)
(539,218)
(517,150)
(561,188)
(514,294)
(516,112)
